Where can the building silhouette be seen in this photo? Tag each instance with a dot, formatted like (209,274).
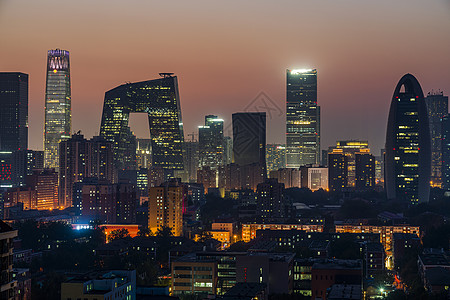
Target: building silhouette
(302,118)
(58,112)
(14,111)
(249,138)
(437,107)
(408,146)
(157,98)
(446,152)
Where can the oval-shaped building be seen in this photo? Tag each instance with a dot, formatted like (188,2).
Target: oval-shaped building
(408,144)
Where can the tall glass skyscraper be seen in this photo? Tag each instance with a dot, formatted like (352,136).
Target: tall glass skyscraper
(408,146)
(210,142)
(13,126)
(302,118)
(437,106)
(13,111)
(157,98)
(58,112)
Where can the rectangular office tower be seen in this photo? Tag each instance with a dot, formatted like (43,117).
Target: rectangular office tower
(210,142)
(437,107)
(58,112)
(249,138)
(14,111)
(302,118)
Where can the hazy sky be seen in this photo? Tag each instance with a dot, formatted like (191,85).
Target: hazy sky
(225,53)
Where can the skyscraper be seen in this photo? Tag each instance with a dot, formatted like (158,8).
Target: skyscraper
(14,111)
(446,152)
(249,138)
(210,142)
(157,98)
(408,146)
(302,118)
(58,111)
(437,107)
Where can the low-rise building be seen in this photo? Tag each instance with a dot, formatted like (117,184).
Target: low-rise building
(104,285)
(191,275)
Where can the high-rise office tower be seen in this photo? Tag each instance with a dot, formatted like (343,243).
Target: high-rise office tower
(249,138)
(302,118)
(364,169)
(350,148)
(337,170)
(437,107)
(157,98)
(14,111)
(58,111)
(408,146)
(165,207)
(446,152)
(210,142)
(275,157)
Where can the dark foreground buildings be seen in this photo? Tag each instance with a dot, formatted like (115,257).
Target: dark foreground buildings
(408,146)
(157,98)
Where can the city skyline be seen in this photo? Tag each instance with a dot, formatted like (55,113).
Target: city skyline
(348,64)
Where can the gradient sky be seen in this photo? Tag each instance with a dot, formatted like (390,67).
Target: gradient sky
(226,52)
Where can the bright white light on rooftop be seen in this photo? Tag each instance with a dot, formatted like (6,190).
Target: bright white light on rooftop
(300,71)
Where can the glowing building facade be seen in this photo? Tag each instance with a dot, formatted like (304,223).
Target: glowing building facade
(157,98)
(302,118)
(408,146)
(58,112)
(210,142)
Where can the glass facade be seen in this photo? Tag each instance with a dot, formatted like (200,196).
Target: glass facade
(437,107)
(14,111)
(58,112)
(408,147)
(159,99)
(210,139)
(302,118)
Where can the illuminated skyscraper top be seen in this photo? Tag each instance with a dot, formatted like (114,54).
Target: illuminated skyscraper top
(302,118)
(58,112)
